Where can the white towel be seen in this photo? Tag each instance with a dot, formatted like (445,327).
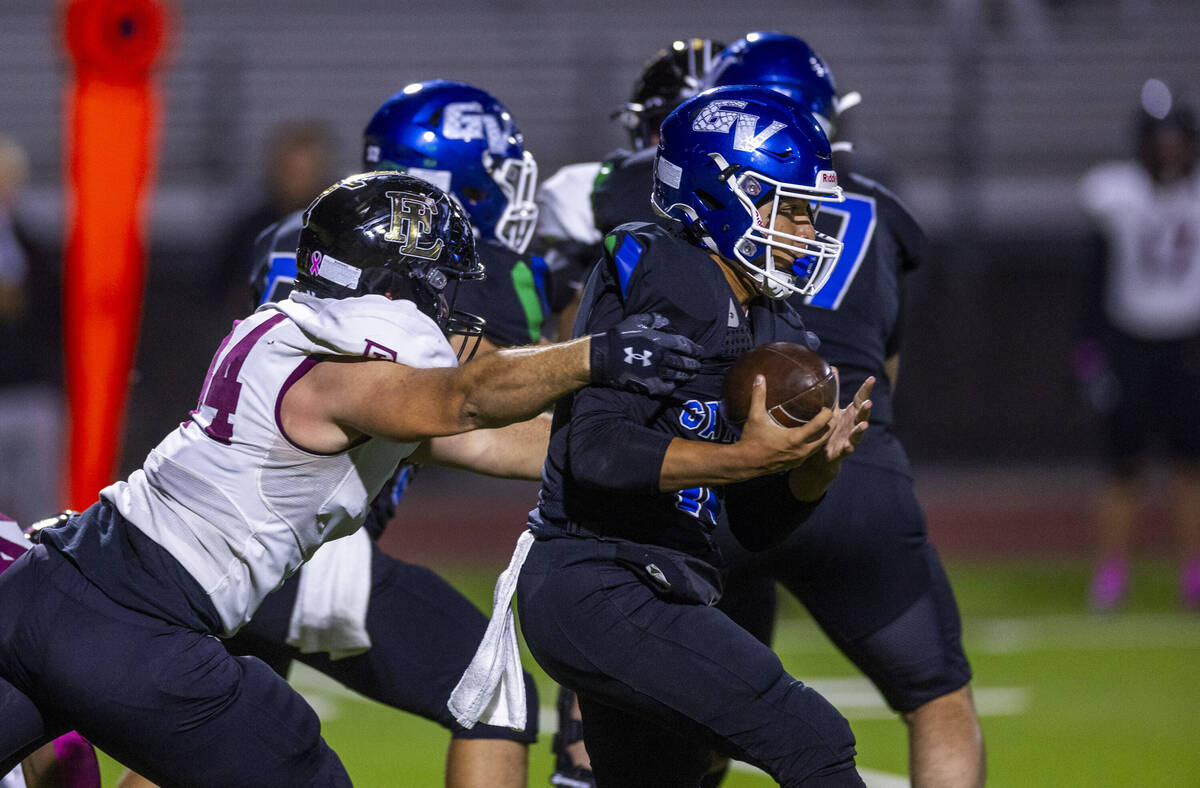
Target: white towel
(492,688)
(330,613)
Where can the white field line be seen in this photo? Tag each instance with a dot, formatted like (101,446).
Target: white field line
(1068,632)
(857,698)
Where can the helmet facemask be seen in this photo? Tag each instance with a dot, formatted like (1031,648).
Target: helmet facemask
(812,258)
(517,179)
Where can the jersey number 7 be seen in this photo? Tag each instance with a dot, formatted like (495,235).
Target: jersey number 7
(856,217)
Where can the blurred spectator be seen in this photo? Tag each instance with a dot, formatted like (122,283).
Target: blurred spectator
(30,409)
(299,164)
(1140,356)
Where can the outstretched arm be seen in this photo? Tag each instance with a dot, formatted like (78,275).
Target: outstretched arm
(517,451)
(342,398)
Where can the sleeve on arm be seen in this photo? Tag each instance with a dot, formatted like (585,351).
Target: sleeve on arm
(607,445)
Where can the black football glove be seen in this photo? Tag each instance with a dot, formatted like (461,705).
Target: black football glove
(638,355)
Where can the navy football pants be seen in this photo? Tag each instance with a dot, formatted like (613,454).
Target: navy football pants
(165,700)
(661,683)
(424,633)
(864,568)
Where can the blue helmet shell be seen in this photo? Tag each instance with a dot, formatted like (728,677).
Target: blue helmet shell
(463,140)
(783,63)
(727,152)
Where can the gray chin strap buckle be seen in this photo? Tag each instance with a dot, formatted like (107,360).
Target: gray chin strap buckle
(436,279)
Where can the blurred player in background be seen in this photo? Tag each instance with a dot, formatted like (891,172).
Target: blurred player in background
(1140,356)
(570,225)
(407,642)
(299,163)
(30,346)
(308,406)
(615,596)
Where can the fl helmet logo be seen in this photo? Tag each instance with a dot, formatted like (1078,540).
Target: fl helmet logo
(412,223)
(720,116)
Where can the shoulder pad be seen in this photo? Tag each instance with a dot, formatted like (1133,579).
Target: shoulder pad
(626,247)
(369,325)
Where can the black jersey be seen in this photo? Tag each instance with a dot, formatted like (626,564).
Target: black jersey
(857,313)
(511,298)
(621,192)
(595,481)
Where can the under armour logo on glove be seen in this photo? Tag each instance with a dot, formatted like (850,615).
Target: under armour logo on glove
(630,357)
(639,355)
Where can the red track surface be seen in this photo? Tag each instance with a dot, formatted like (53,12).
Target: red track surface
(457,518)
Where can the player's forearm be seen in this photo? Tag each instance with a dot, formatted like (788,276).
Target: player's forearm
(517,451)
(809,481)
(517,384)
(692,463)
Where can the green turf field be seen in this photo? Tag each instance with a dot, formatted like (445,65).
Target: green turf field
(1066,698)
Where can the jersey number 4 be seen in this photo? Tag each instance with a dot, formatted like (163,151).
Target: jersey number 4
(222,390)
(856,218)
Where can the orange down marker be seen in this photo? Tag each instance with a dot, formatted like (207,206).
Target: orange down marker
(112,114)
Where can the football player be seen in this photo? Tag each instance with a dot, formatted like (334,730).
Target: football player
(866,571)
(578,205)
(863,565)
(421,631)
(616,591)
(69,761)
(1140,353)
(308,406)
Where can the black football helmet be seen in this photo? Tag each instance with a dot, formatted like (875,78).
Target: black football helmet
(393,235)
(672,76)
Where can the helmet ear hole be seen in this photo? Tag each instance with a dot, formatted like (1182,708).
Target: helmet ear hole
(473,194)
(710,202)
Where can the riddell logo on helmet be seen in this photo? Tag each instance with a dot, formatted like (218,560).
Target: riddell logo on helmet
(827,178)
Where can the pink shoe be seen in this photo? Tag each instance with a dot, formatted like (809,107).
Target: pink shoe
(1109,584)
(1189,584)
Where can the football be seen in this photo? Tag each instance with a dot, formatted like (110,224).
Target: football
(799,384)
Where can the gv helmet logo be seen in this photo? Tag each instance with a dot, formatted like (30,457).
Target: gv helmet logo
(718,117)
(466,120)
(412,222)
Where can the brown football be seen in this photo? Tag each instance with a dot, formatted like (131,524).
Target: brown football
(799,384)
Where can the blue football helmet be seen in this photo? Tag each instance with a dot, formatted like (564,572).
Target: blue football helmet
(729,152)
(786,64)
(464,141)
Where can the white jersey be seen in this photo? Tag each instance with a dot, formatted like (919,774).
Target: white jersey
(228,494)
(14,779)
(565,204)
(1153,232)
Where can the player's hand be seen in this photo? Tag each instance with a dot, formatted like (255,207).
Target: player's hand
(847,428)
(640,355)
(777,448)
(849,424)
